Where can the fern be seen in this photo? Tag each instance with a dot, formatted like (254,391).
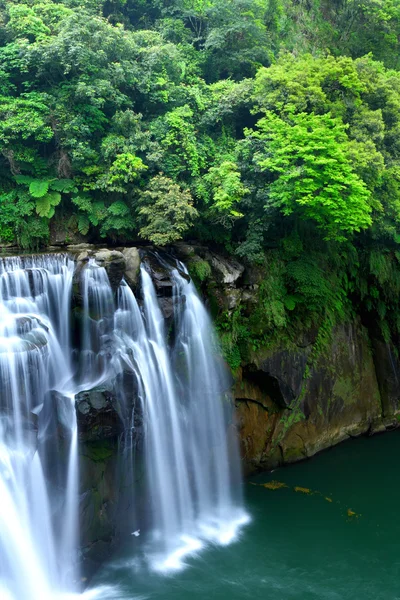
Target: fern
(38,188)
(45,205)
(98,213)
(83,224)
(83,201)
(118,208)
(24,179)
(63,185)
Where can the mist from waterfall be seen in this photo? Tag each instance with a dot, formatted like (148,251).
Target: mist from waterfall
(193,485)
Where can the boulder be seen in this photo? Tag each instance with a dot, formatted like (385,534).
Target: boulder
(227,271)
(114,263)
(97,414)
(132,269)
(84,256)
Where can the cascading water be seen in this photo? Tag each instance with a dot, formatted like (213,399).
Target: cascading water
(98,322)
(193,484)
(36,560)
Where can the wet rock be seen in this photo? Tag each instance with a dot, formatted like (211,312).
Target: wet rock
(132,270)
(77,292)
(94,555)
(281,375)
(57,413)
(84,256)
(76,248)
(233,298)
(24,324)
(110,434)
(114,263)
(169,306)
(387,366)
(97,414)
(160,274)
(106,411)
(184,250)
(97,511)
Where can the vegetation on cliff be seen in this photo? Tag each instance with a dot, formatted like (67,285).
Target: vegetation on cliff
(270,128)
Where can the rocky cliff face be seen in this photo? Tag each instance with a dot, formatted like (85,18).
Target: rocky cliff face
(286,414)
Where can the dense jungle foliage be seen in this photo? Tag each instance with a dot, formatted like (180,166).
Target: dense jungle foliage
(270,128)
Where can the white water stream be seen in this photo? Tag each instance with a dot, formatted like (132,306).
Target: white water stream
(37,558)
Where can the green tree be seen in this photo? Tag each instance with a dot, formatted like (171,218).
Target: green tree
(226,191)
(311,174)
(166,211)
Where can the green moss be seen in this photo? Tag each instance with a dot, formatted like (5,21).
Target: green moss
(292,454)
(230,351)
(98,451)
(213,300)
(199,270)
(346,388)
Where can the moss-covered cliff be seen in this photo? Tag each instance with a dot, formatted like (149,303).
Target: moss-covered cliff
(302,391)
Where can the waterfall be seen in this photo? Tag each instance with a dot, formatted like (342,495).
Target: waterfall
(193,483)
(191,464)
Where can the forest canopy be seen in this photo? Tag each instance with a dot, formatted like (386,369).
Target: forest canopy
(268,127)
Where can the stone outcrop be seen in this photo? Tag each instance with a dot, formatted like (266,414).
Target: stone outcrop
(117,264)
(97,414)
(338,398)
(132,270)
(99,500)
(387,366)
(114,263)
(226,274)
(103,417)
(160,272)
(227,271)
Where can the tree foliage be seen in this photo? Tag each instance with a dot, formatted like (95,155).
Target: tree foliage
(307,157)
(271,128)
(166,211)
